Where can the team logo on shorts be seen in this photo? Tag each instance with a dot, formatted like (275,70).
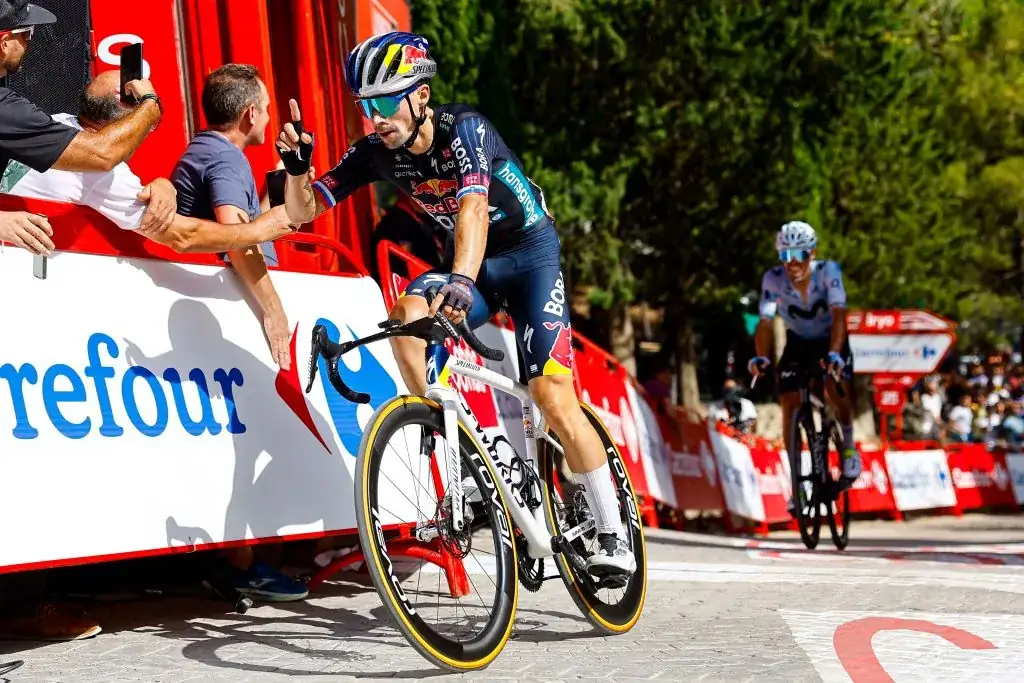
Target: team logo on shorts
(560,357)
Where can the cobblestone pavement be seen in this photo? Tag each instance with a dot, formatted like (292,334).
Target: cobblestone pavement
(933,599)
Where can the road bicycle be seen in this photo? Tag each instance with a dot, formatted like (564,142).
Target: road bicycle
(818,487)
(498,512)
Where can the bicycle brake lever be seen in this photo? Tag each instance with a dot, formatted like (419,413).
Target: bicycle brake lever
(314,355)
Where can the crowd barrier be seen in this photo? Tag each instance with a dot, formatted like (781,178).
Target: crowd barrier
(170,428)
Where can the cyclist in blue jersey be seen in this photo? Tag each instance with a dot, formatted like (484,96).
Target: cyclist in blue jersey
(502,251)
(810,297)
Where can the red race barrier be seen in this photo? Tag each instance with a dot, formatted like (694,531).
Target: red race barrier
(773,480)
(603,383)
(694,469)
(872,492)
(981,478)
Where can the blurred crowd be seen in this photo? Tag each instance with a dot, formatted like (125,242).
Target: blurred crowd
(976,401)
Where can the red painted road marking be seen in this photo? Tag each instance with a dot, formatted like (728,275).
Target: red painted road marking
(852,642)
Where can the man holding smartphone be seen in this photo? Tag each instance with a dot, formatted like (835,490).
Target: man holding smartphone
(31,136)
(120,196)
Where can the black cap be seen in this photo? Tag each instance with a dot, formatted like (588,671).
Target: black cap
(19,13)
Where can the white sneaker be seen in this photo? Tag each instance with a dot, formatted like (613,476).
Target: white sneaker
(851,463)
(612,557)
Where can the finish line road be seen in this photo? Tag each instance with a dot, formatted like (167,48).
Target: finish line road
(932,599)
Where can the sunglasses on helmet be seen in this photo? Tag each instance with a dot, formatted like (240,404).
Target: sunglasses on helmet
(386,106)
(798,255)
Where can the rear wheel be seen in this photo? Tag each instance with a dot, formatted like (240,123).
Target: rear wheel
(838,506)
(612,609)
(805,484)
(402,511)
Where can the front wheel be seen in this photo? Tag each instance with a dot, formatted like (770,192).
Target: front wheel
(402,512)
(806,489)
(611,609)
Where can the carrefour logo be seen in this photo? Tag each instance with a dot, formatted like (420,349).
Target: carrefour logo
(74,395)
(64,391)
(362,371)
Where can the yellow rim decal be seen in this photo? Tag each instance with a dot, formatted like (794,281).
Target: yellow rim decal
(620,628)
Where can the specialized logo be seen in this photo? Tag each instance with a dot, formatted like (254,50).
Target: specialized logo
(560,357)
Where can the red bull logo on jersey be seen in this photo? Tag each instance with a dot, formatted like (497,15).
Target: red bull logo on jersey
(436,187)
(560,357)
(444,190)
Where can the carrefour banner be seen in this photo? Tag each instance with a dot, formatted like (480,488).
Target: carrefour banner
(140,407)
(920,479)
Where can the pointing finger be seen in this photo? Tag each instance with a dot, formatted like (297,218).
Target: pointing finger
(294,106)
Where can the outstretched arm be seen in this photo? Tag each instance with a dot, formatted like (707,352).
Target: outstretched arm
(186,234)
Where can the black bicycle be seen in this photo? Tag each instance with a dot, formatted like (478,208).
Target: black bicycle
(817,481)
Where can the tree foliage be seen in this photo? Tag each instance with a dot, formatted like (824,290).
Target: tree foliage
(673,138)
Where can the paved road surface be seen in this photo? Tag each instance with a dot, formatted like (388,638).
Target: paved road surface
(933,599)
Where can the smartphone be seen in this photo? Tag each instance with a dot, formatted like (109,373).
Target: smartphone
(39,266)
(131,68)
(275,186)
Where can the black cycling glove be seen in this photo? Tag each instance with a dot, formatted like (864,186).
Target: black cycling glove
(297,162)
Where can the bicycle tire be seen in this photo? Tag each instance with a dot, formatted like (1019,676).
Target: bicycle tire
(610,618)
(839,507)
(444,652)
(808,517)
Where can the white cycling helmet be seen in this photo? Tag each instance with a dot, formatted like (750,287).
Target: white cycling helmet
(796,235)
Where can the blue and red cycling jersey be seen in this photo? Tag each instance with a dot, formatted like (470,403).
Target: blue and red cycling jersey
(521,272)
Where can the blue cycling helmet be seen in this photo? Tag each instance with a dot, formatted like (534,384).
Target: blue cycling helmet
(390,64)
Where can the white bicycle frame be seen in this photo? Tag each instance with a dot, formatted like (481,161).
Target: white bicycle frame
(531,524)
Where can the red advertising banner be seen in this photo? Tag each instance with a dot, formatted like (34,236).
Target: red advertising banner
(872,492)
(115,25)
(604,389)
(981,478)
(693,465)
(773,481)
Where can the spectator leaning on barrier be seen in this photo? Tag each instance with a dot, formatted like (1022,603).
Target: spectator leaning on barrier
(119,195)
(214,180)
(31,136)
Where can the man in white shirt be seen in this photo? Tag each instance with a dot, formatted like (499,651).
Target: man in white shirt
(961,420)
(931,401)
(120,196)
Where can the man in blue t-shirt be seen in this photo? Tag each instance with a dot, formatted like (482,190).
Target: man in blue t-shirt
(214,181)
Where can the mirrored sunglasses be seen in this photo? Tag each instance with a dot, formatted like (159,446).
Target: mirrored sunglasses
(797,255)
(385,106)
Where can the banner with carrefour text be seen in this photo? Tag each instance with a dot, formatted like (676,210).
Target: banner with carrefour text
(920,479)
(140,408)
